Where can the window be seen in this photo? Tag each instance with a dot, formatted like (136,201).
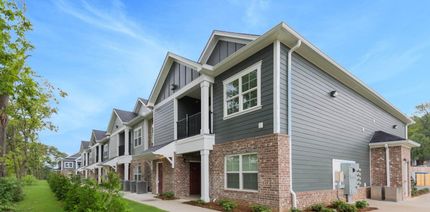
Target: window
(242,91)
(241,172)
(68,164)
(138,136)
(138,173)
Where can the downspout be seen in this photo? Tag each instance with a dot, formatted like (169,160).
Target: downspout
(289,118)
(387,164)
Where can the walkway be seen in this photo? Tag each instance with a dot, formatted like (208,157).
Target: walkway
(421,203)
(168,205)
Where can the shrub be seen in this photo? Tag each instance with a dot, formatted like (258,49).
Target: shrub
(227,205)
(361,204)
(10,192)
(328,210)
(337,203)
(295,210)
(346,208)
(59,184)
(199,202)
(29,179)
(260,208)
(168,195)
(317,207)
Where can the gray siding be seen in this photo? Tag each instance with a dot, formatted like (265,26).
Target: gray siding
(283,82)
(136,150)
(246,125)
(113,146)
(326,128)
(118,123)
(222,50)
(164,123)
(179,75)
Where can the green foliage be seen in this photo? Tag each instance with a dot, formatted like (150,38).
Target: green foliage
(316,207)
(342,206)
(199,202)
(420,132)
(88,196)
(337,203)
(28,180)
(227,205)
(328,210)
(168,195)
(295,210)
(260,208)
(361,204)
(10,192)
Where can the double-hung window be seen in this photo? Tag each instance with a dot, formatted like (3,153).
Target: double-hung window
(68,165)
(138,173)
(242,92)
(138,136)
(241,172)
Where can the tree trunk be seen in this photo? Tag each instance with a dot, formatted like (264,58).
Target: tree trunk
(4,100)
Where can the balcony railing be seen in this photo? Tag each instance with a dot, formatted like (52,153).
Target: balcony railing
(189,126)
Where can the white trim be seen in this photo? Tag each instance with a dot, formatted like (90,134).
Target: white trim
(276,86)
(185,89)
(240,172)
(334,169)
(387,165)
(175,119)
(238,76)
(156,179)
(67,163)
(404,143)
(145,134)
(195,143)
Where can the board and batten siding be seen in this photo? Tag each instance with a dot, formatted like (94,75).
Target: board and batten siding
(113,146)
(164,123)
(246,125)
(222,50)
(180,75)
(326,128)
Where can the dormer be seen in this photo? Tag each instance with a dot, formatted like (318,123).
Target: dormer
(222,44)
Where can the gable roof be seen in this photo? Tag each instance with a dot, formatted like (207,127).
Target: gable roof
(165,68)
(84,145)
(144,101)
(99,134)
(381,136)
(226,36)
(139,103)
(125,116)
(289,37)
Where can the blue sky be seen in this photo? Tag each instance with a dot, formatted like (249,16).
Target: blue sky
(107,53)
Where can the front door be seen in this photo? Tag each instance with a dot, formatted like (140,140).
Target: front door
(160,177)
(195,179)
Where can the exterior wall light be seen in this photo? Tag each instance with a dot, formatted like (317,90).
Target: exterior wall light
(395,126)
(333,93)
(173,87)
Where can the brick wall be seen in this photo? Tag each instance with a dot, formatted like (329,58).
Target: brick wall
(308,198)
(273,170)
(378,174)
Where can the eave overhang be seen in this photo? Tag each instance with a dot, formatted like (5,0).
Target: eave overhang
(406,143)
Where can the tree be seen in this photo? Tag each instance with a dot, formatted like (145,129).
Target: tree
(420,132)
(14,49)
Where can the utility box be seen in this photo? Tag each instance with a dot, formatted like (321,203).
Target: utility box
(352,178)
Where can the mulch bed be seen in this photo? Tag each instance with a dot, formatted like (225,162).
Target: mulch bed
(215,206)
(165,198)
(246,208)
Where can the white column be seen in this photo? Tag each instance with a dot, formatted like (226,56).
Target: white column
(86,174)
(126,140)
(204,92)
(145,132)
(126,165)
(99,171)
(204,166)
(100,153)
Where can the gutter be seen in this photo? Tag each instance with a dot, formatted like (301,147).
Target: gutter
(289,118)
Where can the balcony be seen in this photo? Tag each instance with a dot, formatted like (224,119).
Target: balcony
(105,156)
(121,150)
(189,126)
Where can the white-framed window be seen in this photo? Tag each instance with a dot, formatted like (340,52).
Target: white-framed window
(138,172)
(336,164)
(138,136)
(242,91)
(68,164)
(241,172)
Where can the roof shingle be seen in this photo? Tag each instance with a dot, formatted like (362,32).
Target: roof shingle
(381,136)
(125,116)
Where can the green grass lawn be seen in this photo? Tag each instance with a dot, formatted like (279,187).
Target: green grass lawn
(134,206)
(38,197)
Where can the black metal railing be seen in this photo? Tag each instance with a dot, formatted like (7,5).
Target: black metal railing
(189,126)
(121,150)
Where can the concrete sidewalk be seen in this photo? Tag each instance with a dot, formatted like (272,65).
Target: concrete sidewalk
(421,203)
(167,205)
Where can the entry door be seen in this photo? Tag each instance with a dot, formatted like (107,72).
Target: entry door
(405,179)
(195,178)
(160,177)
